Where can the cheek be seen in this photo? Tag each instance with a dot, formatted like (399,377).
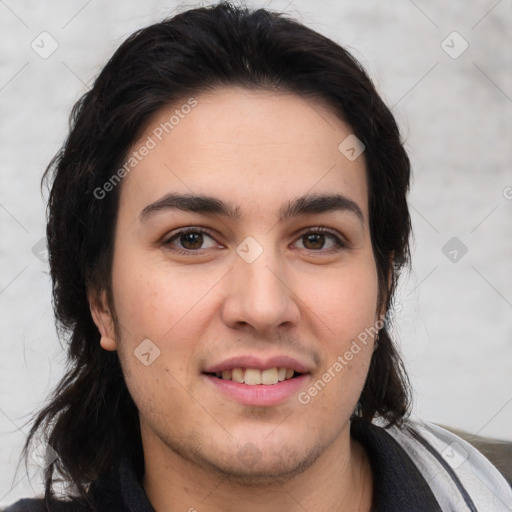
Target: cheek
(153,300)
(170,308)
(152,309)
(345,307)
(345,301)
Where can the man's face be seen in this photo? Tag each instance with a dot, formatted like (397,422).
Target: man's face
(250,291)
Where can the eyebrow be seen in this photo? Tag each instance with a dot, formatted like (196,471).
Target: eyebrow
(208,205)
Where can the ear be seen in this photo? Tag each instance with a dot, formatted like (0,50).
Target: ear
(103,319)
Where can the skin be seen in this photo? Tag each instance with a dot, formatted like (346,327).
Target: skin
(308,300)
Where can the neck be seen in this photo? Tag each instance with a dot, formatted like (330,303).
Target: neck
(339,480)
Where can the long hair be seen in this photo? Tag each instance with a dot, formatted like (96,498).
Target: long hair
(90,419)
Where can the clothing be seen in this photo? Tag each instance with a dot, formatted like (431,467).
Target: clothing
(417,468)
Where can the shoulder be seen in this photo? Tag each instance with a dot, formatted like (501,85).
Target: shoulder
(116,490)
(26,505)
(37,505)
(456,471)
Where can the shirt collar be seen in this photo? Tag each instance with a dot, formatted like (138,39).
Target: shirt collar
(398,484)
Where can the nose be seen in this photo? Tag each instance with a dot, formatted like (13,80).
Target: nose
(260,296)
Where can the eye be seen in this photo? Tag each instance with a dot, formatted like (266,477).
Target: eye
(315,240)
(190,240)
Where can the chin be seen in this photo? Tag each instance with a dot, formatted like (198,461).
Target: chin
(251,466)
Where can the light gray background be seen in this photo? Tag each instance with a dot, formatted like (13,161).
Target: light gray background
(455,326)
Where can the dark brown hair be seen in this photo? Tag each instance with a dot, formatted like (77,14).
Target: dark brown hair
(91,420)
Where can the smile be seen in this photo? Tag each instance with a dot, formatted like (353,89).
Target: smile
(258,387)
(254,376)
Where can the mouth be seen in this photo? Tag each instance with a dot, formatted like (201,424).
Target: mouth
(254,381)
(255,376)
(258,387)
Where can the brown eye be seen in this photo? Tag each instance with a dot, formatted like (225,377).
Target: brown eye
(314,241)
(189,241)
(317,239)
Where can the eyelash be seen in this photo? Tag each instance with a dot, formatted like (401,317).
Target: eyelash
(339,244)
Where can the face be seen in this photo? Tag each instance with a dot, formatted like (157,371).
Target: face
(276,277)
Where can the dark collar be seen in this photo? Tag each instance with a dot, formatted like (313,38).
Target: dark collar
(120,491)
(398,484)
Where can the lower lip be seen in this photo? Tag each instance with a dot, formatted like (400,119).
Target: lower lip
(259,394)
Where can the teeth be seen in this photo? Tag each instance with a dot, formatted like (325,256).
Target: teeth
(237,374)
(253,376)
(269,376)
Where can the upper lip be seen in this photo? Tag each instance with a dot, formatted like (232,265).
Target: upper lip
(251,361)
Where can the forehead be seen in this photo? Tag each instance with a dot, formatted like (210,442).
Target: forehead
(250,147)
